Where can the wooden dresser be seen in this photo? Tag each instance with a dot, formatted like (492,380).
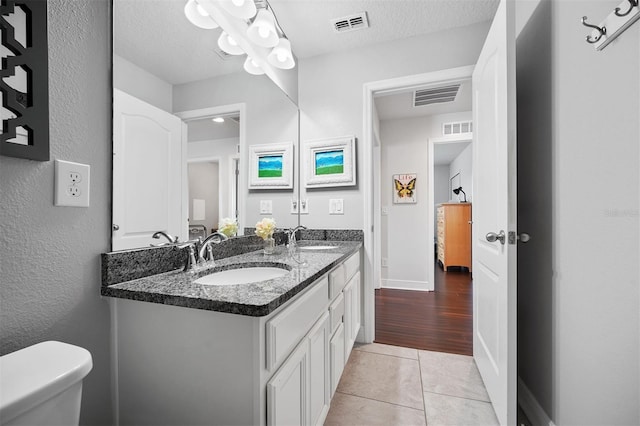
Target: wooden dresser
(454,234)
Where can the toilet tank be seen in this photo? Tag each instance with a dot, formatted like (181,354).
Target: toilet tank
(42,384)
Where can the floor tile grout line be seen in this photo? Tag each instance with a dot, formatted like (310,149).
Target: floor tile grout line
(379,400)
(457,396)
(395,356)
(424,402)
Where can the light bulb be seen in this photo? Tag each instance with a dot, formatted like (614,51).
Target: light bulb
(201,11)
(281,56)
(231,41)
(263,31)
(238,3)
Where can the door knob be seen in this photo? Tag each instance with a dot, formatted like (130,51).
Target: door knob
(492,237)
(115,227)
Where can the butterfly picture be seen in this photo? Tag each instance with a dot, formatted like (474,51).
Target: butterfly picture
(404,188)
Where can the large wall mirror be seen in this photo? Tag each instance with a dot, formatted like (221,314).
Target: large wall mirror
(185,117)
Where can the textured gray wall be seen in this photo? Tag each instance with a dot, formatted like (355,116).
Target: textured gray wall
(49,256)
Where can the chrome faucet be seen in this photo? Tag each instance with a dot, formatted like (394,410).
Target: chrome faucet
(206,253)
(291,236)
(169,237)
(191,257)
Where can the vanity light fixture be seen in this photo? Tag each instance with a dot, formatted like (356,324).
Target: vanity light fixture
(229,45)
(241,9)
(198,16)
(252,67)
(281,55)
(262,30)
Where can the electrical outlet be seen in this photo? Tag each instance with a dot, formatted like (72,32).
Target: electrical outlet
(71,184)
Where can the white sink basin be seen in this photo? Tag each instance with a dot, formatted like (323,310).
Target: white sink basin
(317,247)
(242,276)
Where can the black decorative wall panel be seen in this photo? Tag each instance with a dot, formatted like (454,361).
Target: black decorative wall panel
(31,107)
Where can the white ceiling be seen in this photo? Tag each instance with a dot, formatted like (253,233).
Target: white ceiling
(155,34)
(444,154)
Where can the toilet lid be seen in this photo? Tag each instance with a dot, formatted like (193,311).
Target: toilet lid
(34,374)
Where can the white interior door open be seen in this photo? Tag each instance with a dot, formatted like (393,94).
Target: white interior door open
(148,173)
(494,211)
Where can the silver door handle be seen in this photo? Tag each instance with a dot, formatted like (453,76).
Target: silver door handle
(115,227)
(492,237)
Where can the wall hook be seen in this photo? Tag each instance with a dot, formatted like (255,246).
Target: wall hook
(632,4)
(601,30)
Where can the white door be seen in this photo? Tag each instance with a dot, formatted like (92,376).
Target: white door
(148,173)
(494,211)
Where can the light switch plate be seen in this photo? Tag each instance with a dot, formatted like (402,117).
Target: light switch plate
(304,206)
(294,206)
(71,184)
(336,206)
(266,207)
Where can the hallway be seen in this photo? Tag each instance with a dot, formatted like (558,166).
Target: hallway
(435,321)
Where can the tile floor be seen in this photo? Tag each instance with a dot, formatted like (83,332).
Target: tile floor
(391,385)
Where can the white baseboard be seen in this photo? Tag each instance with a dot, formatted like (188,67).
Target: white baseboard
(532,409)
(406,285)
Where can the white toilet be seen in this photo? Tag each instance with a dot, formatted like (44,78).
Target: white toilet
(42,384)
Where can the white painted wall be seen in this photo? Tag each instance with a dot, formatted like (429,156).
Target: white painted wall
(222,150)
(579,190)
(271,117)
(50,256)
(462,165)
(404,229)
(331,93)
(203,180)
(141,84)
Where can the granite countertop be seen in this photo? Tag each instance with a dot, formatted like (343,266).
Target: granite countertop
(254,299)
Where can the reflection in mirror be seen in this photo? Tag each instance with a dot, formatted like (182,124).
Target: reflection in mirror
(174,168)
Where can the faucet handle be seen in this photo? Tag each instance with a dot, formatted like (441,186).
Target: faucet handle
(191,258)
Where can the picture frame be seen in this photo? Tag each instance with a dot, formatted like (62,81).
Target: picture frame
(404,188)
(329,162)
(271,166)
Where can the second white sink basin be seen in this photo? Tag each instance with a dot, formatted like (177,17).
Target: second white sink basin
(242,276)
(317,247)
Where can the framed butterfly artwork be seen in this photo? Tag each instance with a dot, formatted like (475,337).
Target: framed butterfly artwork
(404,188)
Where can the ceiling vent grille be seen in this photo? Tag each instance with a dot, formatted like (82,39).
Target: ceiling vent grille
(222,54)
(435,95)
(350,23)
(457,127)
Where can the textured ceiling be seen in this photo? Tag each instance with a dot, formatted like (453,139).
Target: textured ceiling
(307,23)
(155,35)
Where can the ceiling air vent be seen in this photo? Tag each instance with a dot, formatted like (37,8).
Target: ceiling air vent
(222,54)
(350,23)
(435,95)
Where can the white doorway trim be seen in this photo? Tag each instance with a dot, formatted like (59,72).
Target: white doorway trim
(461,138)
(370,171)
(210,112)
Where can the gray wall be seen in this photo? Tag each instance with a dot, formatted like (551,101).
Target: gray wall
(203,185)
(579,189)
(49,256)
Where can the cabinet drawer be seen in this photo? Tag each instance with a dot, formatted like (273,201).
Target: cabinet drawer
(336,281)
(351,266)
(285,330)
(336,312)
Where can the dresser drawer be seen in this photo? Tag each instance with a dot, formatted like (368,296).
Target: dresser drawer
(336,281)
(285,330)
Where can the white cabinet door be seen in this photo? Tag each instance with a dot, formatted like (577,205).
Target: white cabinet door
(351,313)
(337,352)
(287,396)
(319,398)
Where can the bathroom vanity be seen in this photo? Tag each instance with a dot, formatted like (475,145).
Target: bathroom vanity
(269,352)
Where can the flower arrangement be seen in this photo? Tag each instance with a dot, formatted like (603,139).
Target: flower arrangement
(265,228)
(228,226)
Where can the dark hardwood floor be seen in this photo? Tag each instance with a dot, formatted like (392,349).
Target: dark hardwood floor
(440,320)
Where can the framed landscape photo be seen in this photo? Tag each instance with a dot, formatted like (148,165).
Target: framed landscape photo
(404,188)
(271,166)
(329,162)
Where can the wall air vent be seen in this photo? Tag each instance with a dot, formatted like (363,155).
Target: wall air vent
(350,23)
(436,95)
(457,127)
